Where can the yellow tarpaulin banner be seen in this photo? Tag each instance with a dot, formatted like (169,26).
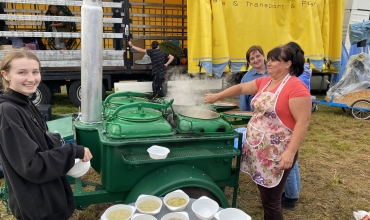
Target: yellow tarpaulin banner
(335,10)
(199,32)
(316,25)
(220,46)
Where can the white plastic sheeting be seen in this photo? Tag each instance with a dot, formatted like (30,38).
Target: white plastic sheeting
(356,76)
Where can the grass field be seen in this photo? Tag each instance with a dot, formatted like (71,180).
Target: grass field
(334,163)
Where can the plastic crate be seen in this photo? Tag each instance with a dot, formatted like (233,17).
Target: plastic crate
(64,126)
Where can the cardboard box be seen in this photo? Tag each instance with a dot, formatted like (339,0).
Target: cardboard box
(6,47)
(141,44)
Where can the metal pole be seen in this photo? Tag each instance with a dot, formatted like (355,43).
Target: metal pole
(127,55)
(117,27)
(91,61)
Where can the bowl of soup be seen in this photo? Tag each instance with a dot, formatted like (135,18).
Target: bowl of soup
(176,216)
(148,204)
(139,216)
(176,201)
(118,212)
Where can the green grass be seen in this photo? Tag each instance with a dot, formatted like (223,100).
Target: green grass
(334,162)
(62,105)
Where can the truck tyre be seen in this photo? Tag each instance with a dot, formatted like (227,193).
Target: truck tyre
(42,95)
(74,92)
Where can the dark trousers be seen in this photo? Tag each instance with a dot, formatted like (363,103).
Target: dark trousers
(157,84)
(271,197)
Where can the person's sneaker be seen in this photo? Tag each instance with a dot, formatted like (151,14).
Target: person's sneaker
(283,196)
(288,204)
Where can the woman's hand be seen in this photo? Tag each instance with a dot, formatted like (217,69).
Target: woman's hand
(87,155)
(286,159)
(210,98)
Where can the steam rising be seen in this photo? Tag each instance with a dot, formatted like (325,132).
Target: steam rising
(189,93)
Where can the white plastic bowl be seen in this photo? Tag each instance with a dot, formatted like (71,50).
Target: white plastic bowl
(143,217)
(176,193)
(157,152)
(143,198)
(177,215)
(204,208)
(131,209)
(79,169)
(232,213)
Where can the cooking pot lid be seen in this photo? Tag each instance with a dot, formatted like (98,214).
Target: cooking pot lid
(139,114)
(126,100)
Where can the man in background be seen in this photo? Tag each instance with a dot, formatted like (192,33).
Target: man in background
(293,183)
(159,65)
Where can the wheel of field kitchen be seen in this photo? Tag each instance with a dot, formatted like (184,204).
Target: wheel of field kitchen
(74,93)
(196,193)
(42,95)
(360,109)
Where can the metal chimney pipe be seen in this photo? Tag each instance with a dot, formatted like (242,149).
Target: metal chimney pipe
(91,61)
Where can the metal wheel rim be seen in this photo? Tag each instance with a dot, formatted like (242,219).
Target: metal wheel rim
(360,113)
(79,93)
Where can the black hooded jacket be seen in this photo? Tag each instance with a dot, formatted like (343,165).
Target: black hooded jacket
(34,173)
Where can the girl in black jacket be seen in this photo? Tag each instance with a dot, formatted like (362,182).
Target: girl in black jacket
(34,170)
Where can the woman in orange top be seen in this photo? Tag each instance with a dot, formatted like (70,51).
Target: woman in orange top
(278,126)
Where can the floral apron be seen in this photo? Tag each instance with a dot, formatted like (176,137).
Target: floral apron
(267,138)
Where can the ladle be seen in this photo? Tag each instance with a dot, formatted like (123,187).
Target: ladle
(199,109)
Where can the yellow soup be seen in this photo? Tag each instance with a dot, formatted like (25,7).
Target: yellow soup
(119,215)
(176,202)
(148,206)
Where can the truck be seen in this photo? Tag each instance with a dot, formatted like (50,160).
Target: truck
(27,20)
(120,143)
(215,45)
